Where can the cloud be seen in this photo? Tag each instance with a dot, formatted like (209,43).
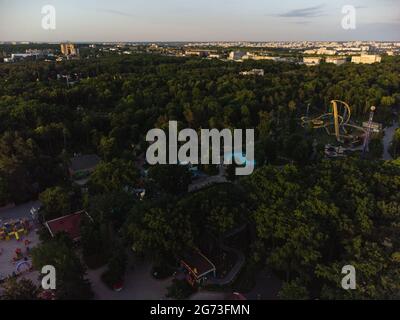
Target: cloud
(305,22)
(115,12)
(309,12)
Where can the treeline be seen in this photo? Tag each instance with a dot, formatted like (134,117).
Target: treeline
(306,219)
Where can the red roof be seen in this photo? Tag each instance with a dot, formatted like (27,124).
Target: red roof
(198,264)
(71,224)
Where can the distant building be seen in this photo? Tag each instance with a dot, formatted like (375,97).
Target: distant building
(215,56)
(197,53)
(324,51)
(236,55)
(366,59)
(254,72)
(22,56)
(310,51)
(252,56)
(337,61)
(68,49)
(364,48)
(312,61)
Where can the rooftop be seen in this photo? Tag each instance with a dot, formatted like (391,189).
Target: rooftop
(70,224)
(198,263)
(84,162)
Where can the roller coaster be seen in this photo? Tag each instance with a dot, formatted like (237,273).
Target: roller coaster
(336,123)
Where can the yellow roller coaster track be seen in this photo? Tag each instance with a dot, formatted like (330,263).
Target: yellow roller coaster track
(340,121)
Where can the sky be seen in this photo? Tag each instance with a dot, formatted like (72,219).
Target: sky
(200,20)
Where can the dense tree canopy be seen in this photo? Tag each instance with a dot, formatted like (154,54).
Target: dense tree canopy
(307,216)
(70,273)
(312,222)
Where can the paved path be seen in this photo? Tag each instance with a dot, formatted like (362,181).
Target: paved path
(267,286)
(205,182)
(139,284)
(387,140)
(18,212)
(241,259)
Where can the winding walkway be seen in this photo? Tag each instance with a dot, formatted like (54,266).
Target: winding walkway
(241,259)
(387,140)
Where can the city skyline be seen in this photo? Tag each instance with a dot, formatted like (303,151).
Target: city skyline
(178,20)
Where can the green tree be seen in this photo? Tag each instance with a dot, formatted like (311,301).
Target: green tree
(71,281)
(294,290)
(172,179)
(56,202)
(115,176)
(23,289)
(116,269)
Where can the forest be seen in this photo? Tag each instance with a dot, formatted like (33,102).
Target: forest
(306,216)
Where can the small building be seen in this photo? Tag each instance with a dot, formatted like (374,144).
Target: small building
(375,127)
(337,61)
(70,224)
(236,55)
(197,53)
(215,56)
(254,72)
(82,166)
(334,152)
(198,267)
(312,61)
(326,52)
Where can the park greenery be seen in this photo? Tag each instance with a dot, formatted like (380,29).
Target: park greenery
(307,216)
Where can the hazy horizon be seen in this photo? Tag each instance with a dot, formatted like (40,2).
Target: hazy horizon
(190,21)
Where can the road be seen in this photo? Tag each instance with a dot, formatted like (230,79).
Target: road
(20,211)
(204,182)
(387,140)
(139,284)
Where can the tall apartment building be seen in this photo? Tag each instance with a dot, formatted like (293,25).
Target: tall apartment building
(366,58)
(68,49)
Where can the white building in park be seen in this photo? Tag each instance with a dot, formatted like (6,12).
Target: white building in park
(254,72)
(337,61)
(236,55)
(366,59)
(312,61)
